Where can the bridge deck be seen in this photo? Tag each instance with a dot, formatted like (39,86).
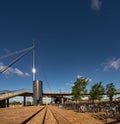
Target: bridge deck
(23,92)
(10,94)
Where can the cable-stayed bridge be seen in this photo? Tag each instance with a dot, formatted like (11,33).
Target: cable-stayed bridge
(24,92)
(37,85)
(6,95)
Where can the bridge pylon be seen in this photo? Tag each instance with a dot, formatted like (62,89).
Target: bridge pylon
(37,92)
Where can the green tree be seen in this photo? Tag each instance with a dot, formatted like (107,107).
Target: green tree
(79,88)
(97,91)
(110,90)
(15,103)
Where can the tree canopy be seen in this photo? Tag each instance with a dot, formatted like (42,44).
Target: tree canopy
(110,90)
(97,91)
(79,88)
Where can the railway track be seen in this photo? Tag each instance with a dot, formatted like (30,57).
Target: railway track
(47,115)
(60,119)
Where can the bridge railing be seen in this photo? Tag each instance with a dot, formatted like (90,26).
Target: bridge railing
(62,92)
(10,94)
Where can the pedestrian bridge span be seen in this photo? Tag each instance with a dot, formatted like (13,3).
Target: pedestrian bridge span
(24,92)
(6,95)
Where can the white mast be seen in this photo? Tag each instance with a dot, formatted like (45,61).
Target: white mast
(34,68)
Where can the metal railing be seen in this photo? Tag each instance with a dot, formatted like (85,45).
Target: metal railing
(10,94)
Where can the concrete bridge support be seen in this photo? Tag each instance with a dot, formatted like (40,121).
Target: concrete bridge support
(24,100)
(37,92)
(46,100)
(7,100)
(62,100)
(3,104)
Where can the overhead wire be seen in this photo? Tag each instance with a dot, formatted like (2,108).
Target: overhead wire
(16,52)
(26,51)
(43,72)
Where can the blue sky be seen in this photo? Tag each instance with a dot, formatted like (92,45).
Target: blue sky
(72,38)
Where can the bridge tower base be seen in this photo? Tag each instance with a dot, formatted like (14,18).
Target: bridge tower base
(37,92)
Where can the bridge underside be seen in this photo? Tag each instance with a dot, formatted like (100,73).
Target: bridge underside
(4,97)
(3,104)
(57,97)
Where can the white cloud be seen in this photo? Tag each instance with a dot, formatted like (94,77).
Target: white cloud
(90,80)
(96,4)
(1,66)
(11,70)
(27,74)
(69,84)
(18,72)
(79,76)
(112,64)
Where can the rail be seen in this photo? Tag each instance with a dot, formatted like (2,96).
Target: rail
(47,115)
(32,116)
